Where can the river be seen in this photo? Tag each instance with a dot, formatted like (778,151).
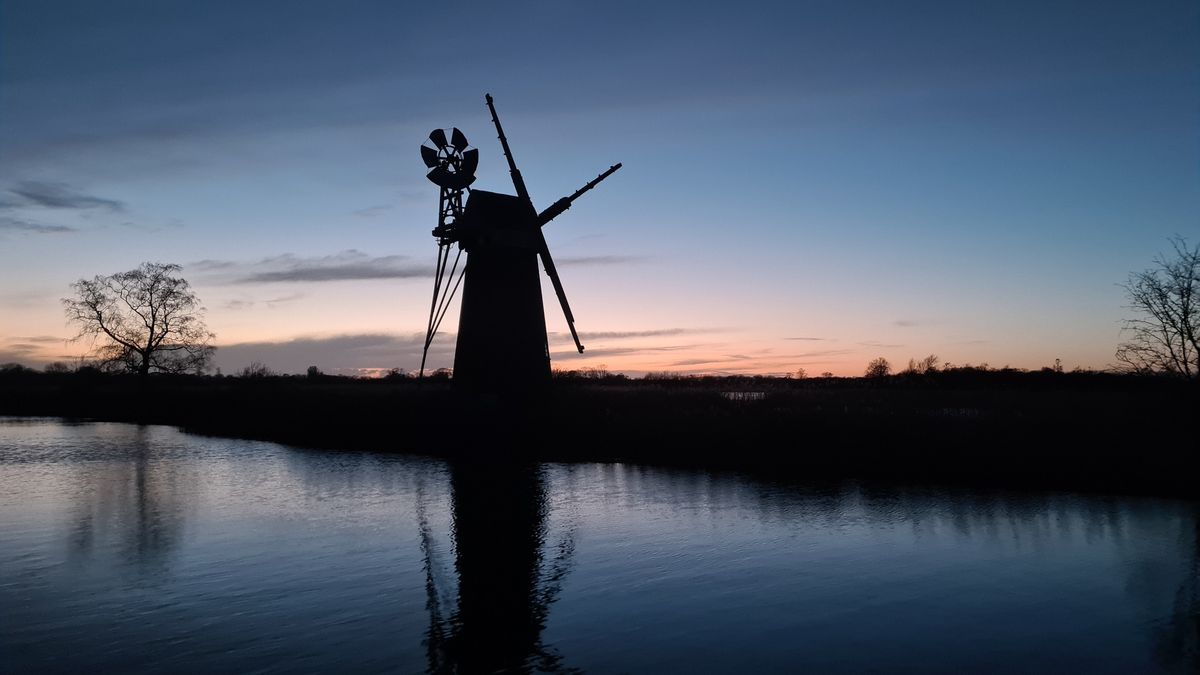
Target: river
(140,549)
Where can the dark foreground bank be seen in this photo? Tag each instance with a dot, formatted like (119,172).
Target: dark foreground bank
(1085,431)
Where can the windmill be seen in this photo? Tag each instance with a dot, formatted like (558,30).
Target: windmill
(502,323)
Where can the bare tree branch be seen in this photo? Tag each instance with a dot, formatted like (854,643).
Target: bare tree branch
(147,320)
(1164,336)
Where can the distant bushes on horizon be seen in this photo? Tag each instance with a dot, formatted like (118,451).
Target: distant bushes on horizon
(927,370)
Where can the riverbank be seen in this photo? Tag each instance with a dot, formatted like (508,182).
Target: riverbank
(1094,432)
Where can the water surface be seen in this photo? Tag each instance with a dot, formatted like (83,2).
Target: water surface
(143,549)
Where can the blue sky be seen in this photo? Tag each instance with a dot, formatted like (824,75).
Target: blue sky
(967,179)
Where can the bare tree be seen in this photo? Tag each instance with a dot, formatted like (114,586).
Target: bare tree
(878,368)
(143,320)
(929,364)
(257,369)
(1164,336)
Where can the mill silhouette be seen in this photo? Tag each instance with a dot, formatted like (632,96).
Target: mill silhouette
(502,324)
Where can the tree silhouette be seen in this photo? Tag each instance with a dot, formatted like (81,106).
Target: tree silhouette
(144,319)
(878,368)
(1164,336)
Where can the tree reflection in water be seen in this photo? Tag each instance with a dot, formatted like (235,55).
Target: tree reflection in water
(131,506)
(1177,638)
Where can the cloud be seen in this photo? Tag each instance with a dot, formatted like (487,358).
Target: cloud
(26,299)
(808,339)
(825,352)
(348,265)
(710,350)
(370,352)
(880,345)
(373,211)
(60,196)
(172,224)
(18,225)
(907,323)
(759,362)
(271,302)
(349,353)
(246,303)
(208,265)
(619,351)
(694,362)
(40,339)
(15,357)
(380,268)
(599,260)
(659,332)
(22,348)
(32,350)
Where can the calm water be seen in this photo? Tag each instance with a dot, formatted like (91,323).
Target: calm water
(142,549)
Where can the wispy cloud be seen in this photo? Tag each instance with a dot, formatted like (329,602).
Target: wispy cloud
(807,339)
(21,358)
(693,362)
(209,265)
(620,351)
(728,358)
(825,353)
(59,196)
(907,323)
(290,297)
(348,265)
(27,299)
(880,345)
(373,211)
(599,260)
(21,348)
(10,224)
(248,303)
(658,332)
(341,267)
(29,350)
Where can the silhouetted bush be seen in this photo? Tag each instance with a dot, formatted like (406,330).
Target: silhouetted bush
(878,368)
(256,370)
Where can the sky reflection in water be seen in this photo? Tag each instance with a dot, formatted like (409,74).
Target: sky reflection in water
(144,549)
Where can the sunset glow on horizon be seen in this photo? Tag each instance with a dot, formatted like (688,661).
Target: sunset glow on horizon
(805,185)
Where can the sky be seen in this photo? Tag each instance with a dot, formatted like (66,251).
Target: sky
(806,185)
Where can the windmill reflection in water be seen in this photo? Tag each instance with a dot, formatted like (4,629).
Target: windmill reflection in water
(507,575)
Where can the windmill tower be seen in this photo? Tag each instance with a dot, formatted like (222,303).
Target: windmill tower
(502,325)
